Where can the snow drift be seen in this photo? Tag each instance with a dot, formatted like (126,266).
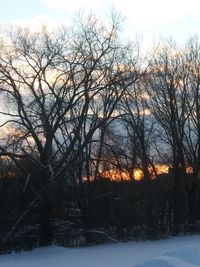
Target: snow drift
(172,252)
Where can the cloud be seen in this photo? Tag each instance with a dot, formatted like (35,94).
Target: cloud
(74,5)
(146,17)
(143,13)
(149,12)
(34,23)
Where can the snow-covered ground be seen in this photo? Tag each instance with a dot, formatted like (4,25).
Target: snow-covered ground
(172,252)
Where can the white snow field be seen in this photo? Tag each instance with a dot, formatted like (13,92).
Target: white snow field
(172,252)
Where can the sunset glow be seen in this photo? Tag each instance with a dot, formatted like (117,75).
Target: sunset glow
(138,174)
(118,175)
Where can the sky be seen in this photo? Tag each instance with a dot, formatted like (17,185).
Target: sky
(150,19)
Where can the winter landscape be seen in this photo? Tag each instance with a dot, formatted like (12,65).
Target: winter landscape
(99,133)
(172,252)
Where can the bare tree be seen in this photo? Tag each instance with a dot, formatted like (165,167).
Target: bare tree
(192,59)
(60,88)
(139,124)
(168,96)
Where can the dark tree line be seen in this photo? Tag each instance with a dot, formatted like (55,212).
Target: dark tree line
(80,103)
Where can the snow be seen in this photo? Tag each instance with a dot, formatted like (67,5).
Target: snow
(173,252)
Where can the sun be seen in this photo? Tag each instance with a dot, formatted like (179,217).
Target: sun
(138,174)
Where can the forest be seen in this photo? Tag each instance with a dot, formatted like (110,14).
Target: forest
(99,139)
